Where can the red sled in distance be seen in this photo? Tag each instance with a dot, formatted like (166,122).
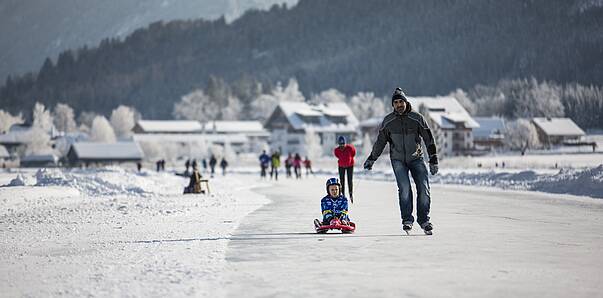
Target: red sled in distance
(335,224)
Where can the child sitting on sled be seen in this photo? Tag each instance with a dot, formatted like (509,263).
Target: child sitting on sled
(334,205)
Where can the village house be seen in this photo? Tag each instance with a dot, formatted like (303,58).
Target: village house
(557,131)
(90,153)
(290,121)
(451,124)
(490,135)
(257,136)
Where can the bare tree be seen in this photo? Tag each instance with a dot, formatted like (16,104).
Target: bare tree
(7,120)
(196,106)
(327,96)
(522,135)
(365,105)
(64,118)
(102,131)
(462,97)
(122,120)
(263,106)
(312,146)
(233,109)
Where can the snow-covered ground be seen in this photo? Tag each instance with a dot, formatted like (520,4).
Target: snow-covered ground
(113,232)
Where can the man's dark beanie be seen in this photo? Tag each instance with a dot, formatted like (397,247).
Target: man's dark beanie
(398,94)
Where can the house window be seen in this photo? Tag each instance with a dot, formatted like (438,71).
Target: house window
(445,134)
(468,134)
(445,145)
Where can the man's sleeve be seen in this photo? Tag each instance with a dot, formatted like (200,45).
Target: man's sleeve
(353,150)
(380,143)
(428,138)
(335,152)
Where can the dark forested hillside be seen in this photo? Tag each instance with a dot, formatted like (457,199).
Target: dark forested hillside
(428,47)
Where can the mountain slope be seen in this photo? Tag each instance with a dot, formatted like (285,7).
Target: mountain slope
(35,29)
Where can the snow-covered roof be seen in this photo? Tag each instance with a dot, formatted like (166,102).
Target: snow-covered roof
(446,111)
(15,137)
(558,126)
(489,127)
(4,152)
(190,138)
(372,122)
(229,127)
(107,151)
(40,158)
(169,126)
(322,116)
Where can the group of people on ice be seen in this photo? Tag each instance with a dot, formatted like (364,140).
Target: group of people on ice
(294,162)
(213,161)
(403,129)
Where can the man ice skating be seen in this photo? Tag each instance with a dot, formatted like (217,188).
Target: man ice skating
(264,162)
(345,154)
(403,129)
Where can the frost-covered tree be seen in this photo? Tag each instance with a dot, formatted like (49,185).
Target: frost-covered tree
(522,135)
(367,145)
(263,106)
(7,120)
(365,105)
(328,96)
(233,109)
(229,154)
(102,131)
(538,100)
(312,147)
(196,106)
(289,93)
(122,120)
(64,118)
(39,135)
(462,97)
(42,118)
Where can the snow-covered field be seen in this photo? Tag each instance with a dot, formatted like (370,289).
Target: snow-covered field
(116,233)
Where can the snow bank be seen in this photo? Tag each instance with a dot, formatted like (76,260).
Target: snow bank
(18,181)
(110,182)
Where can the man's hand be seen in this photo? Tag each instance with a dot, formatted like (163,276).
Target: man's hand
(433,164)
(368,164)
(433,168)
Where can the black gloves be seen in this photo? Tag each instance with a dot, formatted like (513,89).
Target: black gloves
(433,164)
(368,164)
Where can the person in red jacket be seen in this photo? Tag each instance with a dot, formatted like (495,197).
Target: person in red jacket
(345,159)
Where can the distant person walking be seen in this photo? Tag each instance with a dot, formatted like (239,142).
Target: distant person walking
(404,129)
(275,163)
(212,164)
(288,165)
(345,154)
(223,165)
(297,161)
(203,164)
(264,162)
(187,165)
(308,166)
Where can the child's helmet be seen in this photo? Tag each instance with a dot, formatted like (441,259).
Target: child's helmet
(332,181)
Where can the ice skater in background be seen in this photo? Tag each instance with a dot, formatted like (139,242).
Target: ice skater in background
(345,154)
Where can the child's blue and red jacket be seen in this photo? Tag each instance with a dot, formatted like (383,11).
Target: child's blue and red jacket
(337,207)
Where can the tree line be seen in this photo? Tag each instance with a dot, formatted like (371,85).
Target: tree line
(427,47)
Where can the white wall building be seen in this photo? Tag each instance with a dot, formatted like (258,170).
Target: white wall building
(290,121)
(451,124)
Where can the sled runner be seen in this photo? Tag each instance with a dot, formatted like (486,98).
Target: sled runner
(335,224)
